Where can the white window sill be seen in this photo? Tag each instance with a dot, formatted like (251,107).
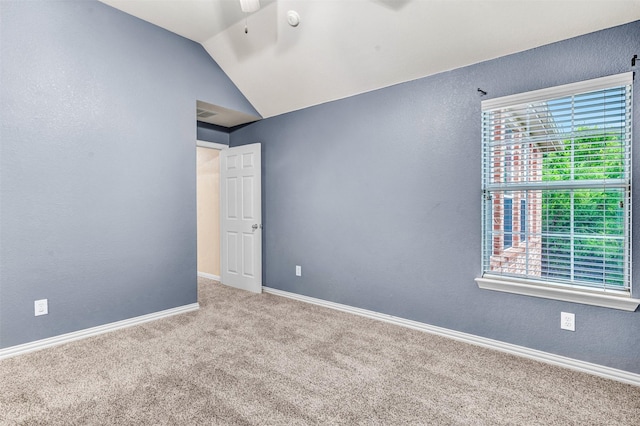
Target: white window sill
(606,299)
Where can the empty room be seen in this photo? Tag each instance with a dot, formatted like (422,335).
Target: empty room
(417,212)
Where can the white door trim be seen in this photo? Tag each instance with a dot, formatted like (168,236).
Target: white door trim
(212,145)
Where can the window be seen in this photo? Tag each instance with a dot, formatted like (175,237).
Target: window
(557,191)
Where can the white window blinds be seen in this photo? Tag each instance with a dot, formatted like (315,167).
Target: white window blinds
(556,182)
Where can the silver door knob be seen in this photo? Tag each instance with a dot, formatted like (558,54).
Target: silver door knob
(254,226)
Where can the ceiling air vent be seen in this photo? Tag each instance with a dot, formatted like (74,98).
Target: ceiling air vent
(203,113)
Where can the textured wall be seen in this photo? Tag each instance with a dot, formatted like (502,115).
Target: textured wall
(97,176)
(211,133)
(378,198)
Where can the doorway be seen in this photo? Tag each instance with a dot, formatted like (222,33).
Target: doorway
(208,208)
(229,245)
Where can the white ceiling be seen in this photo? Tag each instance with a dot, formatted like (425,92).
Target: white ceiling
(346,47)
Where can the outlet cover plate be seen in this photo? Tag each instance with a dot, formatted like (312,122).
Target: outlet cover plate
(568,321)
(298,271)
(41,307)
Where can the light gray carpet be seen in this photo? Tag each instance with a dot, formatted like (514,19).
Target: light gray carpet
(261,359)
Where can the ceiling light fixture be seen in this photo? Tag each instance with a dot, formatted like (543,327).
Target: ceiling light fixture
(249,6)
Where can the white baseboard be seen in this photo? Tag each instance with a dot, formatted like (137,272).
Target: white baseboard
(210,276)
(573,364)
(93,331)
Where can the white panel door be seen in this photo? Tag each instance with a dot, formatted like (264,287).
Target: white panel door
(241,218)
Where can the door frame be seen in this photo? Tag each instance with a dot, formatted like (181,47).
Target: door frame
(222,205)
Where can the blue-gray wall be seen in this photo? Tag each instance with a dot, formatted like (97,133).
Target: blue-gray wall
(97,165)
(378,198)
(210,133)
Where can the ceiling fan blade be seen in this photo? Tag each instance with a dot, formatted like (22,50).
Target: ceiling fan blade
(249,6)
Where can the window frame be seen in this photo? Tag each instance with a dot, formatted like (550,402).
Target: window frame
(545,288)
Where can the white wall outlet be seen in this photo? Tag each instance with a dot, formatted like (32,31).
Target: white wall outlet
(567,321)
(298,271)
(41,307)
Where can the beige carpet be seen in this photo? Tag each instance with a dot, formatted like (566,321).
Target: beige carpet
(261,359)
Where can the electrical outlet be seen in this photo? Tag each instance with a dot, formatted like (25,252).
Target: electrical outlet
(298,271)
(41,307)
(567,321)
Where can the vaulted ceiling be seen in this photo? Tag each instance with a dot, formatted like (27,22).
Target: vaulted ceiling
(342,48)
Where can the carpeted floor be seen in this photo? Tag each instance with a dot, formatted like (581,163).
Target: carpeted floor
(246,359)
